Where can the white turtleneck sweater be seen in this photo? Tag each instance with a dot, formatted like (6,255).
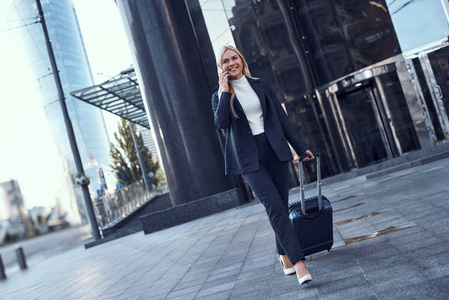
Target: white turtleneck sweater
(250,102)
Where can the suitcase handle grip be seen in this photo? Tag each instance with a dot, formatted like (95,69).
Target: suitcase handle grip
(318,183)
(301,158)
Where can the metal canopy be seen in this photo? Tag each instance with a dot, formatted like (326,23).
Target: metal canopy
(119,95)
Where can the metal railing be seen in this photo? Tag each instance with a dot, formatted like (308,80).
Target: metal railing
(112,208)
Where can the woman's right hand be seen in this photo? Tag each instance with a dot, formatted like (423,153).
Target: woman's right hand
(223,82)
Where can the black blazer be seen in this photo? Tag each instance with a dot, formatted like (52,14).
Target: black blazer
(241,151)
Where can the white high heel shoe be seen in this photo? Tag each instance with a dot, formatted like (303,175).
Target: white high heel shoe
(306,278)
(287,271)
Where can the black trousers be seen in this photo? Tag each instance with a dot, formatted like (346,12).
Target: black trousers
(270,184)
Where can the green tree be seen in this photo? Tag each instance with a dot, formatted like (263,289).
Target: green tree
(124,156)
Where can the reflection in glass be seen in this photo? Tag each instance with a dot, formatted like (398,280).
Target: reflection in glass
(359,115)
(344,36)
(401,120)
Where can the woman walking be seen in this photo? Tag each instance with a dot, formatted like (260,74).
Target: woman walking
(258,132)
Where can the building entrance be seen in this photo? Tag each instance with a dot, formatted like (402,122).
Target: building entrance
(360,117)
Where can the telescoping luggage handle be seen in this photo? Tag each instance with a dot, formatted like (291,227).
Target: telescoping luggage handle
(318,183)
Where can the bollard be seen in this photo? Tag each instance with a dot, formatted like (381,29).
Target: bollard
(2,269)
(20,255)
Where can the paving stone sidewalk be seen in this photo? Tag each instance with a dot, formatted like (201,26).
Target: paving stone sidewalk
(391,242)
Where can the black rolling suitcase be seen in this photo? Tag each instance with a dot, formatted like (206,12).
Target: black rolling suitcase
(312,222)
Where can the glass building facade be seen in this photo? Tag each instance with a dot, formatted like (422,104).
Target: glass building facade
(358,87)
(74,71)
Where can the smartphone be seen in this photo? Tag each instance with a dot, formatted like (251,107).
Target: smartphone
(227,78)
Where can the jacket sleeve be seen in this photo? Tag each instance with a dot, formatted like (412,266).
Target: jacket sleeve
(222,109)
(287,126)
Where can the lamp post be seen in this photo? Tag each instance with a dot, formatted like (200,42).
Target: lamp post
(69,127)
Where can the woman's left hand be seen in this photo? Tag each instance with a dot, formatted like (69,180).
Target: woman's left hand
(310,155)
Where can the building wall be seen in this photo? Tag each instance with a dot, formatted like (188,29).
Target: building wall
(339,69)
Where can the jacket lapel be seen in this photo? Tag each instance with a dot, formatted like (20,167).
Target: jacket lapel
(238,107)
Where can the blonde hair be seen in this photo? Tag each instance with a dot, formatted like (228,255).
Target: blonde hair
(245,71)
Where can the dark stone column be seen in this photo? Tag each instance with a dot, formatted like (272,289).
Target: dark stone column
(176,96)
